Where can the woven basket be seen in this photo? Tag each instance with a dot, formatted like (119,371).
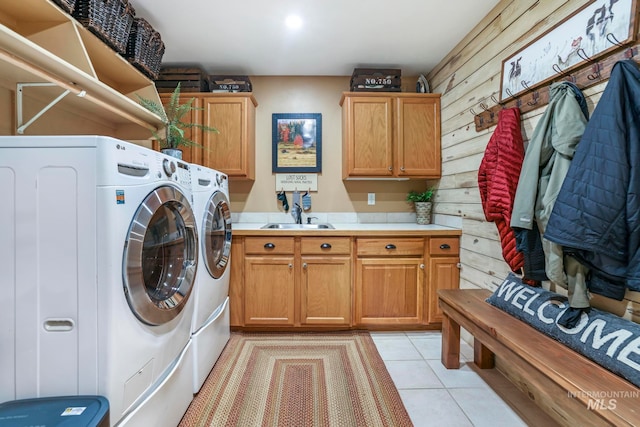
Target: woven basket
(66,5)
(110,20)
(145,48)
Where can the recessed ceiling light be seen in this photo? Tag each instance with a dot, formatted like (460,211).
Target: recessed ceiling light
(293,21)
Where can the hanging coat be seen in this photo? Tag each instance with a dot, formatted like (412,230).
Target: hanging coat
(498,179)
(545,165)
(597,213)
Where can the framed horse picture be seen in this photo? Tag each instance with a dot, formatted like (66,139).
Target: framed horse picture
(592,31)
(296,142)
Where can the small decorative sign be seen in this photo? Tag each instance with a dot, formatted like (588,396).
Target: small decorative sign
(296,182)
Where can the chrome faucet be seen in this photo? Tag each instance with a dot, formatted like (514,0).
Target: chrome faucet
(297,213)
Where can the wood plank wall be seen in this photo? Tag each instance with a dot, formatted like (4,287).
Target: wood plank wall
(469,75)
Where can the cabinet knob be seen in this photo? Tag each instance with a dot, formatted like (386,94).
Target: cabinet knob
(304,265)
(390,168)
(421,266)
(269,246)
(325,246)
(390,246)
(402,168)
(290,265)
(445,246)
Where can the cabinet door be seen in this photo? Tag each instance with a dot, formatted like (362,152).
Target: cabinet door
(236,282)
(269,291)
(417,148)
(192,154)
(389,291)
(325,291)
(232,150)
(443,274)
(367,136)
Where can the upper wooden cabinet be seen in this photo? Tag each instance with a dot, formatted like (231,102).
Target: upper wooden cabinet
(393,135)
(231,151)
(42,44)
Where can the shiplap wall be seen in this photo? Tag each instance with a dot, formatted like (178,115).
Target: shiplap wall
(470,74)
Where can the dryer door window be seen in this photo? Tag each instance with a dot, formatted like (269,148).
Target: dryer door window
(216,244)
(160,256)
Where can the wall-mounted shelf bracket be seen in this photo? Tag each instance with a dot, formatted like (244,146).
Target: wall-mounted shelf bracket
(19,103)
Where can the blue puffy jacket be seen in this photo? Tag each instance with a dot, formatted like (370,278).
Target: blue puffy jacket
(596,216)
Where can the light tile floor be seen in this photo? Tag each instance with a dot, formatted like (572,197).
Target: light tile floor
(436,396)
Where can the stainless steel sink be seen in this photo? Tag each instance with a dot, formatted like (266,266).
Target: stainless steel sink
(290,226)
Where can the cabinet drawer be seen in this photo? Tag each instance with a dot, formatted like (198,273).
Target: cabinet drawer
(325,245)
(443,246)
(391,247)
(268,245)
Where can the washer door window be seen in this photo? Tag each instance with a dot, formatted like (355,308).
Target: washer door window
(160,256)
(216,244)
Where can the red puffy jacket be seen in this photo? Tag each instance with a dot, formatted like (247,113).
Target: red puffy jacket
(498,180)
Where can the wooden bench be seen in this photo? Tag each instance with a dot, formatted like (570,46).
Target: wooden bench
(572,389)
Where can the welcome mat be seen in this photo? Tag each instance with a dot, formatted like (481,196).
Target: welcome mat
(297,380)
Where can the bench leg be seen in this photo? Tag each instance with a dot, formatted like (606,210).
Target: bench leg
(450,355)
(482,356)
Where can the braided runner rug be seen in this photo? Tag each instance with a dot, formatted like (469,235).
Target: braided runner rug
(298,380)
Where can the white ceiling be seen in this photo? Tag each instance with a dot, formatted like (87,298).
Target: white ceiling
(250,37)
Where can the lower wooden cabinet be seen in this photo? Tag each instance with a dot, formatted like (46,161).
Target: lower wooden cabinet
(292,282)
(444,272)
(269,290)
(389,282)
(325,291)
(340,282)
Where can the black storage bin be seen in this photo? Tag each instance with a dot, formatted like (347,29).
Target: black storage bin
(67,411)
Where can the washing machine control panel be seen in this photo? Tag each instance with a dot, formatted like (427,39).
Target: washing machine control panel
(183,174)
(176,171)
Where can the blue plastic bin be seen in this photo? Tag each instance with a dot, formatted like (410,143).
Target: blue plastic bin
(63,411)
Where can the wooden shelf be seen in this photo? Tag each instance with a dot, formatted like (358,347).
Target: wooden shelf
(39,42)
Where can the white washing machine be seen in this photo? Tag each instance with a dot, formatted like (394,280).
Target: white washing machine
(210,327)
(98,252)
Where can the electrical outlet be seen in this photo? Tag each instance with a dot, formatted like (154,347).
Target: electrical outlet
(372,199)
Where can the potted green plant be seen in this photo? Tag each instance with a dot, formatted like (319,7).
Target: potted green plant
(422,203)
(172,136)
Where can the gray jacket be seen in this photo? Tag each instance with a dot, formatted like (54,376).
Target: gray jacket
(546,162)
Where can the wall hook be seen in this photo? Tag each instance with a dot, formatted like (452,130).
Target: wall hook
(486,108)
(495,100)
(563,73)
(613,40)
(629,53)
(535,94)
(510,94)
(595,64)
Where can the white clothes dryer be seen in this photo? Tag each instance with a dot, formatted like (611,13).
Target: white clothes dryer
(99,262)
(210,326)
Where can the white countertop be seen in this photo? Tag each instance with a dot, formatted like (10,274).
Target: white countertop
(404,226)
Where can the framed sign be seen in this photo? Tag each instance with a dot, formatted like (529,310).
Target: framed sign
(296,142)
(595,29)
